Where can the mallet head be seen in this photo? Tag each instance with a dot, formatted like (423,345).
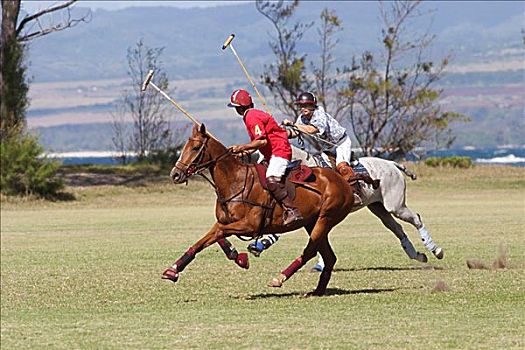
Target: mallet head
(147,80)
(228,41)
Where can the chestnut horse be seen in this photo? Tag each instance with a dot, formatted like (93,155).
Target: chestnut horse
(243,203)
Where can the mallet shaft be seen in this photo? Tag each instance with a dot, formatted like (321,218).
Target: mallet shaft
(263,101)
(179,107)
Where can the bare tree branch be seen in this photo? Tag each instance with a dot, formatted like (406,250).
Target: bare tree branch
(35,18)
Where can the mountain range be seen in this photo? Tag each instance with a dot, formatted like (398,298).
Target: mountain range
(193,37)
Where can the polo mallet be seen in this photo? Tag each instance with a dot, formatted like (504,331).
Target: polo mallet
(148,82)
(228,43)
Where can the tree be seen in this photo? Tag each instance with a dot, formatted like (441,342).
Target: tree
(147,110)
(285,78)
(24,169)
(13,38)
(392,105)
(328,87)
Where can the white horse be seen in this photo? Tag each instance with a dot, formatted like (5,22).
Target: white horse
(387,200)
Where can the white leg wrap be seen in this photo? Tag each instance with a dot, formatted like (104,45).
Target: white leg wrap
(320,261)
(409,248)
(427,240)
(272,238)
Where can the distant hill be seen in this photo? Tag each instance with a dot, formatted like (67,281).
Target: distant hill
(192,37)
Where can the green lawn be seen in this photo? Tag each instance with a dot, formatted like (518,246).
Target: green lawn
(85,274)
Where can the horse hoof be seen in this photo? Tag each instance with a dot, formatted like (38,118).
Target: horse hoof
(170,274)
(421,257)
(242,260)
(275,283)
(314,293)
(439,253)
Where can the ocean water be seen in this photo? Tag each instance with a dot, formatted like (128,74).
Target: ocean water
(502,156)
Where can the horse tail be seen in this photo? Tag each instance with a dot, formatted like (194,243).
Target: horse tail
(407,172)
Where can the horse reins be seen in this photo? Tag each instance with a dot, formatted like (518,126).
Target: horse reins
(197,168)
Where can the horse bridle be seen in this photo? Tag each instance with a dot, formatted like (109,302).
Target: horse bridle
(195,167)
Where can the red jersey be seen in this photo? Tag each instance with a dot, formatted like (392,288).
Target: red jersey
(261,125)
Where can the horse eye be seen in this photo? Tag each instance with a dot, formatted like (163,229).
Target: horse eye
(196,148)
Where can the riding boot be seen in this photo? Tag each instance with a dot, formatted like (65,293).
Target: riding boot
(278,190)
(345,170)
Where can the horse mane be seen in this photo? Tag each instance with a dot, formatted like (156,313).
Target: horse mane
(221,149)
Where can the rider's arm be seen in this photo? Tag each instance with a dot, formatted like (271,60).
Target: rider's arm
(249,147)
(308,129)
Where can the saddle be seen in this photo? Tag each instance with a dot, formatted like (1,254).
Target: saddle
(296,173)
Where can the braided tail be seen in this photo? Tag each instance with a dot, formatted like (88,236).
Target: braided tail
(406,171)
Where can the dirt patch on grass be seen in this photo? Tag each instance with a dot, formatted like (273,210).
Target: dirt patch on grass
(500,262)
(440,286)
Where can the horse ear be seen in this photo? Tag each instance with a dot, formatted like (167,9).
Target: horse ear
(202,129)
(195,129)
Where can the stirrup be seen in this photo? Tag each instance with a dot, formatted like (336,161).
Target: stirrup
(291,216)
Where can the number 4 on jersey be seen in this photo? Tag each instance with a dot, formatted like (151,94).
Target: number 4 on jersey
(257,130)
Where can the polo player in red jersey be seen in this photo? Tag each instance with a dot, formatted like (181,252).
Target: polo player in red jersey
(272,141)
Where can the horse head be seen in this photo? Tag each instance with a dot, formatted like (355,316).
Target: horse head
(194,156)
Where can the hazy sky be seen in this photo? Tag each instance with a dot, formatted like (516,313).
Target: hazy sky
(31,6)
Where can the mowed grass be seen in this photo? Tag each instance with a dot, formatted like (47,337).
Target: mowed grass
(85,274)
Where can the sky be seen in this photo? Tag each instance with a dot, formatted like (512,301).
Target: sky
(32,6)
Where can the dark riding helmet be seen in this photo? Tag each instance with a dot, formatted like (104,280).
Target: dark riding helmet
(306,98)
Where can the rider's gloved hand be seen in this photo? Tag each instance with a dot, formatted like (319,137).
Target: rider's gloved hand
(236,148)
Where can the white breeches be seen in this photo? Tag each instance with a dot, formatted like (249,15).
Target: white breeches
(276,167)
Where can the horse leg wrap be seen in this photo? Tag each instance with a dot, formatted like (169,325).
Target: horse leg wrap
(241,259)
(185,259)
(269,240)
(228,248)
(409,248)
(427,240)
(294,266)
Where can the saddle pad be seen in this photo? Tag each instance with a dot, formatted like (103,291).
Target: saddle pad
(300,173)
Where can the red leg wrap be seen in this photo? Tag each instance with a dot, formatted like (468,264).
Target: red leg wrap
(185,259)
(294,266)
(241,259)
(228,248)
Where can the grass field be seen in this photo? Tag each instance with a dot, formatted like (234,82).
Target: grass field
(85,274)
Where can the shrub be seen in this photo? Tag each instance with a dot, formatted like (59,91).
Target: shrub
(452,162)
(165,158)
(25,170)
